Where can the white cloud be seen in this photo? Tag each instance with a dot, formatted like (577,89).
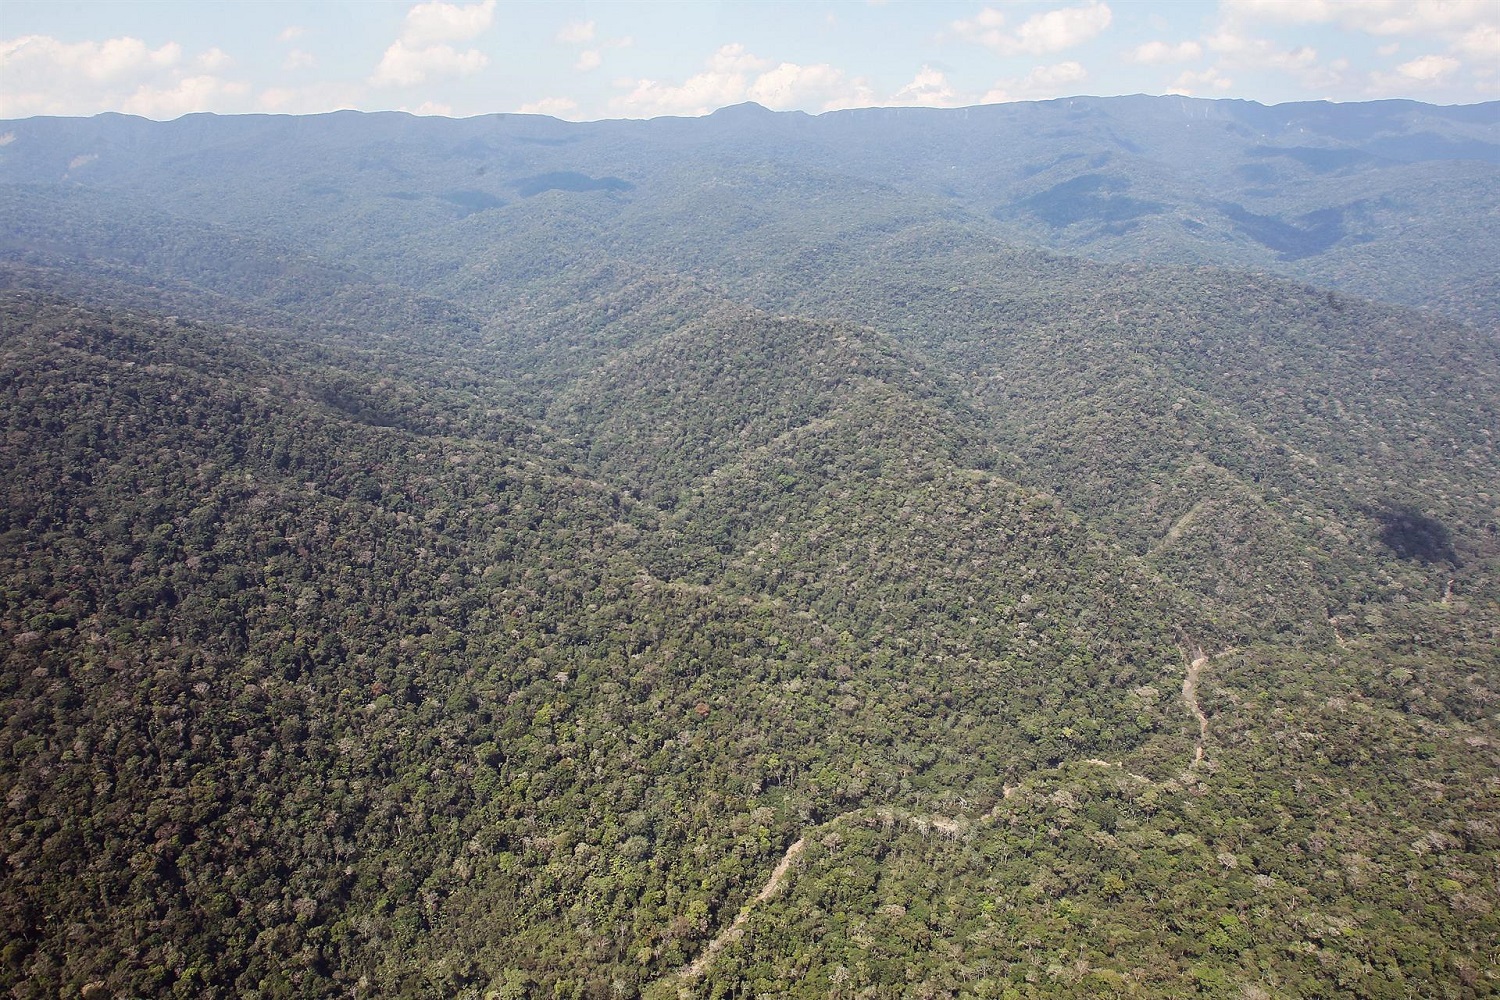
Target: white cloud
(1301,12)
(1040,34)
(310,100)
(1428,69)
(1191,83)
(725,82)
(734,59)
(291,33)
(1481,40)
(1062,29)
(582,33)
(1165,52)
(1240,51)
(213,60)
(928,89)
(423,51)
(821,87)
(403,65)
(1228,41)
(557,107)
(114,59)
(734,75)
(1466,27)
(42,75)
(1302,57)
(1051,77)
(298,59)
(986,29)
(1259,53)
(193,93)
(576,33)
(1469,30)
(436,22)
(277,100)
(1042,83)
(1420,73)
(698,95)
(1376,17)
(433,108)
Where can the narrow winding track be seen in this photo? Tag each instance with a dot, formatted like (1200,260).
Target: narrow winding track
(1190,698)
(698,966)
(695,969)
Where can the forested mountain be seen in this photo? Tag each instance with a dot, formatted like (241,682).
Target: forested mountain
(741,556)
(1392,200)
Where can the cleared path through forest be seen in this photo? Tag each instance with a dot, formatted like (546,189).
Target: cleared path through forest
(697,967)
(1190,698)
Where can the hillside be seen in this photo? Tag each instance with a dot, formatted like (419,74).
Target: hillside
(506,558)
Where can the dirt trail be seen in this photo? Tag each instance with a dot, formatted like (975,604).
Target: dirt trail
(1190,698)
(699,965)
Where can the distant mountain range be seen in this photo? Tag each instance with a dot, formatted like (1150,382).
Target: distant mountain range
(1335,195)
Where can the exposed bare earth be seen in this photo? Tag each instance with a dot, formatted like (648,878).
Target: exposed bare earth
(1190,698)
(699,965)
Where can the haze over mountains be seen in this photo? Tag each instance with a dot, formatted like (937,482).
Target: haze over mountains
(1031,550)
(1324,193)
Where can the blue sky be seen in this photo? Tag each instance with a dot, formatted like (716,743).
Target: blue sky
(642,59)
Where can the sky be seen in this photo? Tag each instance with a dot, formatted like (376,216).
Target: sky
(645,58)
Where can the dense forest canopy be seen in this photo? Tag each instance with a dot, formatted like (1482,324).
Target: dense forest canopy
(1043,550)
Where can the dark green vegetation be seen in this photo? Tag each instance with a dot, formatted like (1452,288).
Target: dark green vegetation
(469,558)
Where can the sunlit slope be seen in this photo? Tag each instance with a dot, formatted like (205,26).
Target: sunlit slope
(1347,448)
